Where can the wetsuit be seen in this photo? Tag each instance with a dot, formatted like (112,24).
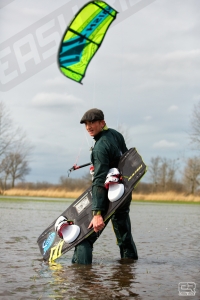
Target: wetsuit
(109,146)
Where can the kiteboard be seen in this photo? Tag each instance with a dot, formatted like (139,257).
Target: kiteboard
(51,245)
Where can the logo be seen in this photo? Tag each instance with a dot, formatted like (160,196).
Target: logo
(35,47)
(186,288)
(136,171)
(48,242)
(56,251)
(82,204)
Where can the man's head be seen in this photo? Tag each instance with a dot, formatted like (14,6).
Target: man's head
(94,121)
(93,114)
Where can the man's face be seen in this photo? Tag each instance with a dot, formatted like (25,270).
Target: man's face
(94,127)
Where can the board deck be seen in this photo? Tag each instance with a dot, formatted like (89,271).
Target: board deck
(132,168)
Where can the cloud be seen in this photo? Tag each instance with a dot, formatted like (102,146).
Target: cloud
(196,97)
(177,57)
(174,68)
(164,144)
(55,99)
(57,81)
(173,108)
(148,118)
(32,12)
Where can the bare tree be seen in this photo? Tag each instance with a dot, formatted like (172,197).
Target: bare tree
(73,183)
(6,129)
(5,170)
(16,166)
(163,174)
(191,175)
(173,167)
(167,172)
(154,168)
(195,127)
(14,150)
(163,171)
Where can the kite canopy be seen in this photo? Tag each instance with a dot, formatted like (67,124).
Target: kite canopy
(83,38)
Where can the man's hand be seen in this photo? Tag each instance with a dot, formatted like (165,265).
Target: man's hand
(97,223)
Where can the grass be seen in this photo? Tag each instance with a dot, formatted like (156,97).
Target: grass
(48,193)
(59,193)
(166,197)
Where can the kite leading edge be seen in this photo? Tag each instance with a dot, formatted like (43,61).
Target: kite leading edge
(83,38)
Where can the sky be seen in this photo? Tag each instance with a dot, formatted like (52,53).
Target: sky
(145,77)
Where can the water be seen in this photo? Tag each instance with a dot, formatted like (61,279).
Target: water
(167,238)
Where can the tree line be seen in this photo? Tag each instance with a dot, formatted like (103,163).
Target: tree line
(164,174)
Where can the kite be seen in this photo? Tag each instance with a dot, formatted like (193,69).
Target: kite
(83,37)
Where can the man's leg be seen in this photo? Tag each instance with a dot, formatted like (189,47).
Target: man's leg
(122,228)
(83,251)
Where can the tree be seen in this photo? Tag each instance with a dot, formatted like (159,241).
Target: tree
(195,127)
(167,172)
(154,172)
(171,175)
(72,184)
(16,166)
(191,175)
(6,130)
(163,171)
(4,169)
(14,150)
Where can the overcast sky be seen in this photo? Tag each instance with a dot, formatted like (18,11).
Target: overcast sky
(145,77)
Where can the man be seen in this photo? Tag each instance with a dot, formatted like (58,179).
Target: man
(109,146)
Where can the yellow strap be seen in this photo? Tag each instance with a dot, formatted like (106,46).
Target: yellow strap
(56,251)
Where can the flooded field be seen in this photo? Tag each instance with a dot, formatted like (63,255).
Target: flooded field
(167,238)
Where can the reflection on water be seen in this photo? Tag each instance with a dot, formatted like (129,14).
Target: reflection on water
(167,237)
(114,280)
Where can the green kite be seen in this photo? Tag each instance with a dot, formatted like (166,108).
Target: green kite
(83,37)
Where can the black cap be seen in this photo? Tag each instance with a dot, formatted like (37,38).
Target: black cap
(93,114)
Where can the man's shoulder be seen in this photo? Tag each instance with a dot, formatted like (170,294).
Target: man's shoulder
(116,133)
(106,138)
(109,136)
(110,133)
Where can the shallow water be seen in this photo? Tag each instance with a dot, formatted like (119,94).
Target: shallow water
(167,238)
